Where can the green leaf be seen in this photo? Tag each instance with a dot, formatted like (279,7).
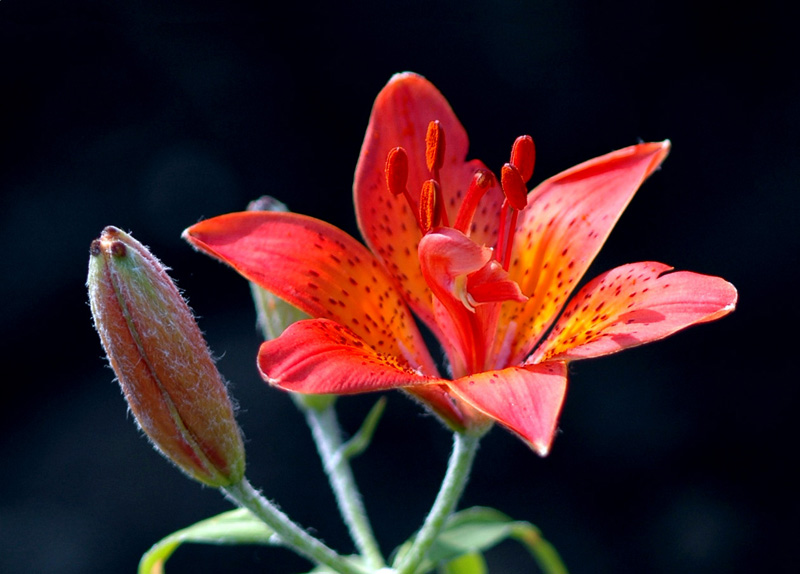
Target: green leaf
(472,563)
(543,552)
(473,530)
(233,527)
(477,529)
(355,560)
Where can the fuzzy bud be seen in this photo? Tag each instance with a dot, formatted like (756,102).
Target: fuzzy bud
(162,361)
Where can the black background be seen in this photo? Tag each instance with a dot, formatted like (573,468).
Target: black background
(152,115)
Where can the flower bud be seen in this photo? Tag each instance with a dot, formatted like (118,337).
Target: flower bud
(162,362)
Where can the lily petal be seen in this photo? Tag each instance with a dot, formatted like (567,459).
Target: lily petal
(318,356)
(447,257)
(491,284)
(568,219)
(319,269)
(527,400)
(632,305)
(400,117)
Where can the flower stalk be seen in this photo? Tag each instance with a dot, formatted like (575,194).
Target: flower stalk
(327,435)
(290,533)
(465,445)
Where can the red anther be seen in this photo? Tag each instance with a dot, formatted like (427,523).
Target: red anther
(434,147)
(430,210)
(482,181)
(523,156)
(513,187)
(397,170)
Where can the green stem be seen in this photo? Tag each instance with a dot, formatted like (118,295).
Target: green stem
(290,534)
(327,434)
(465,446)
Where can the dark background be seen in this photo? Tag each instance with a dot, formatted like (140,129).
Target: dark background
(152,115)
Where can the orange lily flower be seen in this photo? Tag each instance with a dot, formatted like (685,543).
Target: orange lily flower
(485,265)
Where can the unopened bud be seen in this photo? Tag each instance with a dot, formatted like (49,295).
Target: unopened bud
(162,361)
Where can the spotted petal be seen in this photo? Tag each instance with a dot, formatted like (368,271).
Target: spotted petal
(526,400)
(319,356)
(568,219)
(320,270)
(632,305)
(400,117)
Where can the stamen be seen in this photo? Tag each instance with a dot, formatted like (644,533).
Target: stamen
(397,178)
(397,171)
(434,148)
(523,156)
(430,206)
(512,227)
(505,234)
(482,181)
(513,187)
(499,251)
(513,178)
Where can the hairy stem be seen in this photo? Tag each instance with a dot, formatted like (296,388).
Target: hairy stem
(327,434)
(465,445)
(290,534)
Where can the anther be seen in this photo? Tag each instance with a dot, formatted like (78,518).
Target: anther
(516,200)
(434,148)
(523,156)
(513,187)
(430,207)
(397,170)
